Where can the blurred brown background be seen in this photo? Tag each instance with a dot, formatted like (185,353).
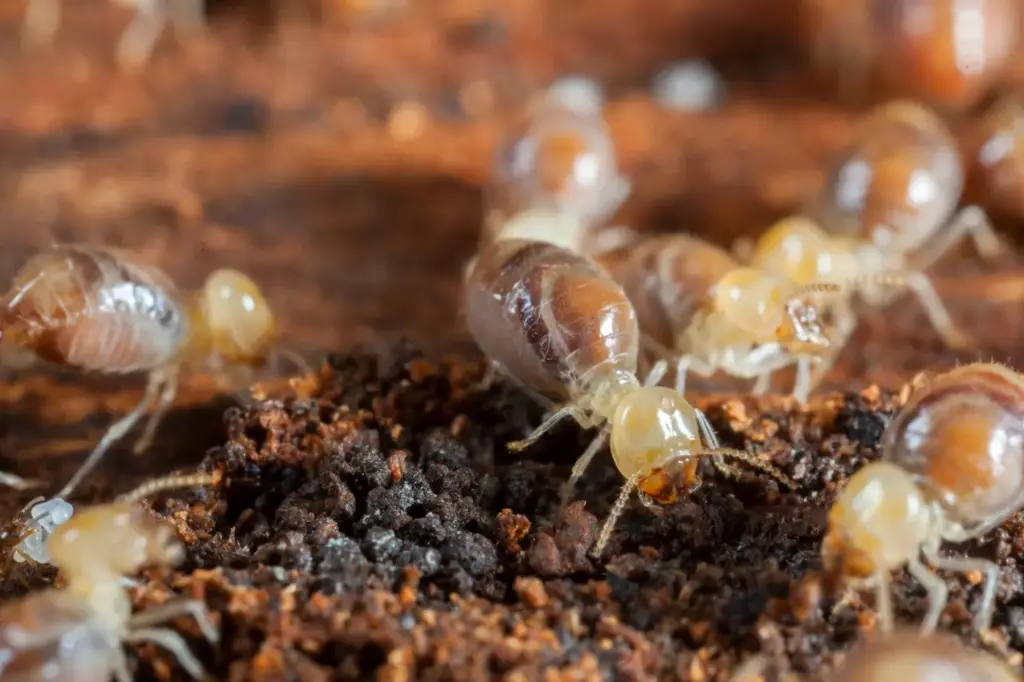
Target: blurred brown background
(336,151)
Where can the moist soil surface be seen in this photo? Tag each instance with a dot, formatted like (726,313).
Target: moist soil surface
(371,523)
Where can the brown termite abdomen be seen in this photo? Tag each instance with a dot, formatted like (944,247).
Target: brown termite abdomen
(952,468)
(77,632)
(908,657)
(897,185)
(97,310)
(696,304)
(947,53)
(564,329)
(555,176)
(994,147)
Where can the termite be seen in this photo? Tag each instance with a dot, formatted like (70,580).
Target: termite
(77,632)
(908,657)
(98,310)
(563,328)
(995,159)
(952,468)
(948,53)
(698,304)
(886,215)
(556,176)
(42,18)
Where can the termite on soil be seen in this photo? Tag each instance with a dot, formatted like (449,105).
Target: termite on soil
(952,469)
(560,326)
(96,309)
(77,632)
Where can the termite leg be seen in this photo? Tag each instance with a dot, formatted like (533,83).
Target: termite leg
(167,379)
(970,221)
(115,433)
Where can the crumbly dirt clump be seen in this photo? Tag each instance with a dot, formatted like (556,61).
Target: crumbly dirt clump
(372,525)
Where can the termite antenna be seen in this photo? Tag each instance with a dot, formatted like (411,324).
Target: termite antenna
(170,483)
(753,461)
(614,514)
(816,288)
(631,483)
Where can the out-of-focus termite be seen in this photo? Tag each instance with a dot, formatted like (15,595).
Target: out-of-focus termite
(77,632)
(887,215)
(98,310)
(952,469)
(948,53)
(995,159)
(42,19)
(697,304)
(908,657)
(555,176)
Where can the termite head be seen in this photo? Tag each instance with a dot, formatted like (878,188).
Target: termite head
(797,249)
(237,318)
(768,308)
(655,434)
(880,520)
(113,539)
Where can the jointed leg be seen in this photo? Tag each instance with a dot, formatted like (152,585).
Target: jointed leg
(691,363)
(548,424)
(971,222)
(138,40)
(176,609)
(936,311)
(168,381)
(580,467)
(115,433)
(883,600)
(802,385)
(983,619)
(938,594)
(763,383)
(656,374)
(173,643)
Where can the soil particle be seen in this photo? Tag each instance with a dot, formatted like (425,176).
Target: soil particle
(320,563)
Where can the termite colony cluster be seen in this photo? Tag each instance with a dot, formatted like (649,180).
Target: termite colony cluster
(589,318)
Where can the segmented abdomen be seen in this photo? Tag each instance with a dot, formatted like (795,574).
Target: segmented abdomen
(94,309)
(549,315)
(963,435)
(669,279)
(897,183)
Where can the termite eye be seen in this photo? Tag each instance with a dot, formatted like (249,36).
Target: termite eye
(752,300)
(238,317)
